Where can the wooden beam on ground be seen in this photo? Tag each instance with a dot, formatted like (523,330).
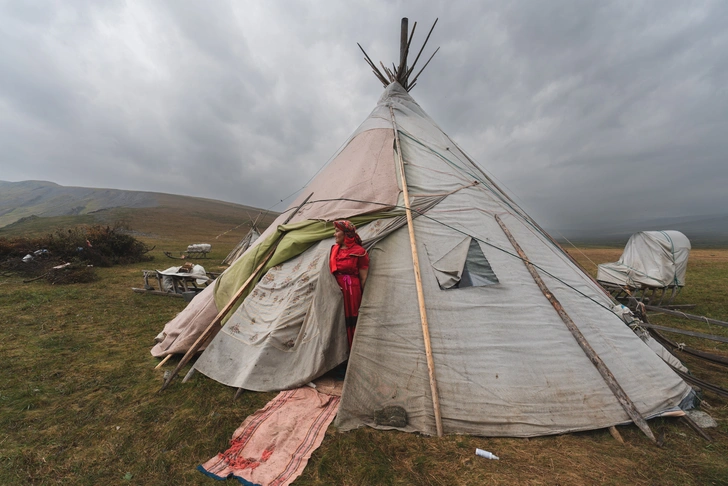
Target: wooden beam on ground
(678,306)
(702,384)
(418,283)
(691,317)
(607,375)
(672,345)
(157,292)
(710,337)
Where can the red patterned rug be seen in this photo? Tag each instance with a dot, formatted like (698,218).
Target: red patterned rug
(272,446)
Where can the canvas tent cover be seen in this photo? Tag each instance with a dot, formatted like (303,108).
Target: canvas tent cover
(505,363)
(650,259)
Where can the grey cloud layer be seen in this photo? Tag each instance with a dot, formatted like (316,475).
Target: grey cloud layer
(587,111)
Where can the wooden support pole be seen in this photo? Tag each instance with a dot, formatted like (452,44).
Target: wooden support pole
(607,375)
(615,433)
(409,71)
(379,75)
(710,337)
(414,81)
(189,375)
(221,315)
(403,47)
(418,283)
(161,363)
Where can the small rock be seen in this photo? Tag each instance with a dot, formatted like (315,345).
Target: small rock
(392,416)
(702,419)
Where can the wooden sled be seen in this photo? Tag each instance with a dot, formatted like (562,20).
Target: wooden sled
(656,296)
(183,286)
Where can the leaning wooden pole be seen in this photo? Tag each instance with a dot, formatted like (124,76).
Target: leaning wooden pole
(418,282)
(607,375)
(221,315)
(161,363)
(218,319)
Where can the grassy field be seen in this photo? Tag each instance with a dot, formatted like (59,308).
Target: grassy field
(79,401)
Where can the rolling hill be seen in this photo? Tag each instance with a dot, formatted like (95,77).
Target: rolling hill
(33,207)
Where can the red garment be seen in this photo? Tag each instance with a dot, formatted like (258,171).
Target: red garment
(345,264)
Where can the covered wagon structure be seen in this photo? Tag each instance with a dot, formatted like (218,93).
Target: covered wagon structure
(652,266)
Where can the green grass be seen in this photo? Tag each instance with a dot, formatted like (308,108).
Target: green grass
(79,401)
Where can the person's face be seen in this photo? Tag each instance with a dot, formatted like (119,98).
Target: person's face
(339,236)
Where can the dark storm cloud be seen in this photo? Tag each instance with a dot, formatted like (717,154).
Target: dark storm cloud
(587,111)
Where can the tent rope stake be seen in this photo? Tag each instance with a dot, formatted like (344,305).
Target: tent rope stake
(418,282)
(607,375)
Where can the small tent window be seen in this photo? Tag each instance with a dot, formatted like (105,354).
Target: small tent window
(463,266)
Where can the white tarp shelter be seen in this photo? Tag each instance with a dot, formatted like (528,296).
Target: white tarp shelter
(505,363)
(651,259)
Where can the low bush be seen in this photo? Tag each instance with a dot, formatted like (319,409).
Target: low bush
(78,250)
(101,246)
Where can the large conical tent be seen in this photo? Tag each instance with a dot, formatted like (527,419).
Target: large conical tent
(497,333)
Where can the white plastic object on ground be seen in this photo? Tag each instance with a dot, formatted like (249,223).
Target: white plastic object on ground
(486,454)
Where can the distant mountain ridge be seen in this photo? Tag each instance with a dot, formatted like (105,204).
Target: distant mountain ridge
(25,199)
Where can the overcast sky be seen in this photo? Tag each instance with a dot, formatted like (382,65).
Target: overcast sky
(586,111)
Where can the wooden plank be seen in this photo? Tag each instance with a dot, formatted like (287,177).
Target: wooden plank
(714,358)
(156,292)
(710,337)
(697,382)
(691,317)
(607,375)
(418,283)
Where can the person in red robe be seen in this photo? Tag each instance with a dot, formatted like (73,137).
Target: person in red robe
(349,263)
